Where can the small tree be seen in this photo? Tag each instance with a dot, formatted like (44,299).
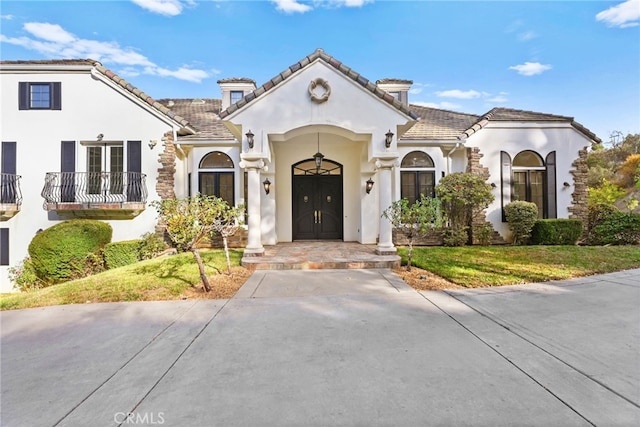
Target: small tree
(521,216)
(464,196)
(414,220)
(226,224)
(188,221)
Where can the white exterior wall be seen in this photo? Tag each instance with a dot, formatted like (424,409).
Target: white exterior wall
(542,138)
(89,107)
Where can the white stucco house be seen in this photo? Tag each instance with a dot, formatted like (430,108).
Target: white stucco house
(317,152)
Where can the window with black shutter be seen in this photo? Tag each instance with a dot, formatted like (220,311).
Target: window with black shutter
(40,96)
(4,246)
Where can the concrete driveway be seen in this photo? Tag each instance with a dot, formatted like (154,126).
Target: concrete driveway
(333,348)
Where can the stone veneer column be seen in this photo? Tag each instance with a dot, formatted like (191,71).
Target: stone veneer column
(166,181)
(385,230)
(253,164)
(474,166)
(579,208)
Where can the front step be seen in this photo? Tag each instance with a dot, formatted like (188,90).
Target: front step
(318,255)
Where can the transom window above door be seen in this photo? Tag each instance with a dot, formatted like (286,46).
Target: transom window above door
(308,167)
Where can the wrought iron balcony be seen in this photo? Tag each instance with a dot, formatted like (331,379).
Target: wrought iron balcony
(95,194)
(10,195)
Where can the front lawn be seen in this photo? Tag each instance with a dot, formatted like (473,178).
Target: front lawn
(478,266)
(169,277)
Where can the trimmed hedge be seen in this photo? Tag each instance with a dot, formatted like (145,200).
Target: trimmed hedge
(68,250)
(521,217)
(556,232)
(119,254)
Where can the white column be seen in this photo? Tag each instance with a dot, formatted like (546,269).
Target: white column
(385,236)
(254,239)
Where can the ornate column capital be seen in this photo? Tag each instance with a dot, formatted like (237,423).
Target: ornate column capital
(252,161)
(387,162)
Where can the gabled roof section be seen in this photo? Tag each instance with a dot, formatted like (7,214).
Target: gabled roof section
(202,115)
(304,62)
(512,115)
(97,66)
(436,124)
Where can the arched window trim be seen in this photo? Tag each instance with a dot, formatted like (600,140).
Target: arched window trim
(217,178)
(200,167)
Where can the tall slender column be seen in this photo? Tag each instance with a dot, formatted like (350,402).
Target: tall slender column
(385,229)
(253,165)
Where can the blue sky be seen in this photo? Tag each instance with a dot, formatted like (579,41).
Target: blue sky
(573,58)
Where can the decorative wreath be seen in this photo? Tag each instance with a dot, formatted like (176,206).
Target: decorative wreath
(319,99)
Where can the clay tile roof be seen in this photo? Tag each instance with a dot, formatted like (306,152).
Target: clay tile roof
(88,62)
(436,124)
(202,114)
(392,81)
(304,62)
(509,114)
(237,80)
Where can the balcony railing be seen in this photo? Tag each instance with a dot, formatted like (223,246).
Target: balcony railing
(81,191)
(10,195)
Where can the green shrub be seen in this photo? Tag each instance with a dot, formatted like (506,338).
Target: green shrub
(619,228)
(24,276)
(521,217)
(61,252)
(556,232)
(151,245)
(118,254)
(464,196)
(483,233)
(598,212)
(455,236)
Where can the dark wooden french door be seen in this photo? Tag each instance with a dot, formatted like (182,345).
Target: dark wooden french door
(317,207)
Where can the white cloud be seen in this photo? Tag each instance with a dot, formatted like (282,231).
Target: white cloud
(49,32)
(526,36)
(182,73)
(7,17)
(623,15)
(299,6)
(53,41)
(530,68)
(459,94)
(501,98)
(291,6)
(417,88)
(162,7)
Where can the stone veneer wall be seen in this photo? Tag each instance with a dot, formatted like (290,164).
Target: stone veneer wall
(480,217)
(579,208)
(166,182)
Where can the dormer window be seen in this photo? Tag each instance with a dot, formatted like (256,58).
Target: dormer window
(396,95)
(236,95)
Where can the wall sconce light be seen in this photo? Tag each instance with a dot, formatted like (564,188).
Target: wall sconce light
(369,185)
(99,137)
(388,139)
(267,185)
(566,184)
(493,185)
(152,143)
(249,136)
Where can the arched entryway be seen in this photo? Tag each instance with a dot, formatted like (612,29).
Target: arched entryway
(317,200)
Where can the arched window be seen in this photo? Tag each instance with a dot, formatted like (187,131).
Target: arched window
(216,176)
(528,179)
(417,176)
